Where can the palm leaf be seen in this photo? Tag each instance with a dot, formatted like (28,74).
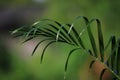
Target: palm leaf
(70,53)
(54,31)
(39,44)
(118,58)
(29,38)
(45,49)
(77,36)
(64,34)
(114,56)
(92,40)
(100,37)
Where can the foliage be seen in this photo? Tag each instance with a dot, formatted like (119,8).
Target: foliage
(54,31)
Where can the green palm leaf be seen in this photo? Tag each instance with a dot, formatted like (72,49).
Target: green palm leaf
(54,31)
(45,49)
(70,53)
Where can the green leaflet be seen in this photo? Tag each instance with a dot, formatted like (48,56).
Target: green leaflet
(39,44)
(63,32)
(71,37)
(28,39)
(114,55)
(77,36)
(118,58)
(89,51)
(42,55)
(74,30)
(66,37)
(18,30)
(108,62)
(70,53)
(107,45)
(30,31)
(100,37)
(92,40)
(63,36)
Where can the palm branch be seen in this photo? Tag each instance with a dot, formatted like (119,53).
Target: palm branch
(54,31)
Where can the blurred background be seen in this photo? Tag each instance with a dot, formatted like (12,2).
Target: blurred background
(16,62)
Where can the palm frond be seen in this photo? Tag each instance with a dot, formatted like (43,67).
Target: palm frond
(54,31)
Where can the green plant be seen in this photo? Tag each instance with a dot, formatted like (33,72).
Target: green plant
(54,31)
